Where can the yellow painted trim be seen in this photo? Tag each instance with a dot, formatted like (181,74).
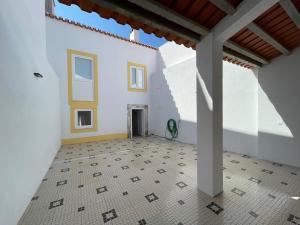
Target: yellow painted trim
(105,137)
(82,104)
(72,119)
(94,57)
(129,64)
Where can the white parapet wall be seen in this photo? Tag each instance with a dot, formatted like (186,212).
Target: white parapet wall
(30,118)
(174,96)
(240,105)
(279,110)
(113,57)
(260,106)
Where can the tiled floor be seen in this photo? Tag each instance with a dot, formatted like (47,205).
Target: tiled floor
(153,181)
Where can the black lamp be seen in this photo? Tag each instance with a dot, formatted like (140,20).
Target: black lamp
(38,75)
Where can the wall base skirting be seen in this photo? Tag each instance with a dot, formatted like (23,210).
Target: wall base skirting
(105,137)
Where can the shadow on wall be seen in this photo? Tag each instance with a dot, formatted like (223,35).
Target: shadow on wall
(240,99)
(239,142)
(258,120)
(279,110)
(172,98)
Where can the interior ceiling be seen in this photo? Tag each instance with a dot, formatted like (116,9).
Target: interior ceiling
(278,24)
(275,22)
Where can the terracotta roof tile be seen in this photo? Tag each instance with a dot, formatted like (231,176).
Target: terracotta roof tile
(97,30)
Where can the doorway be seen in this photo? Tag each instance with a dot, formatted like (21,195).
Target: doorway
(137,120)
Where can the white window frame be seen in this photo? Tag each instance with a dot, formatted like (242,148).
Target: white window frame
(76,119)
(137,68)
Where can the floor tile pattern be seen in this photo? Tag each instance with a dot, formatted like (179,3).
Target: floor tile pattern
(154,181)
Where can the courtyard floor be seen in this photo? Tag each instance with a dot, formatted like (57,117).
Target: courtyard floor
(154,181)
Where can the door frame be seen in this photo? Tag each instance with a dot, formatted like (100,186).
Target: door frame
(131,107)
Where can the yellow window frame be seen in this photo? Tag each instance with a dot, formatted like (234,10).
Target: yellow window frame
(74,104)
(82,130)
(131,89)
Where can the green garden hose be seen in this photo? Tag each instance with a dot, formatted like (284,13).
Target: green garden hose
(172,128)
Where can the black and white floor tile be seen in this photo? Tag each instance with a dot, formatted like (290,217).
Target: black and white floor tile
(154,181)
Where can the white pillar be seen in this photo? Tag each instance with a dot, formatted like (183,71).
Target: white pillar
(209,57)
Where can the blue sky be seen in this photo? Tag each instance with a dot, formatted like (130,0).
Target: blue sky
(94,20)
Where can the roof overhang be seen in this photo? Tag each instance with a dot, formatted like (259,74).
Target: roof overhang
(273,33)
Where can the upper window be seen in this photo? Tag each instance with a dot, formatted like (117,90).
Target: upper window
(82,77)
(83,68)
(82,90)
(137,77)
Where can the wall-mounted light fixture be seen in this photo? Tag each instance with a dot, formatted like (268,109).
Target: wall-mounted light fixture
(38,75)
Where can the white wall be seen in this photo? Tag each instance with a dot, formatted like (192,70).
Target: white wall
(113,55)
(173,92)
(174,96)
(30,121)
(240,107)
(279,110)
(260,108)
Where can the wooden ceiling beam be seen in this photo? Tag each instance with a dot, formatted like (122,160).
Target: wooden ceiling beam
(175,17)
(268,38)
(229,9)
(224,6)
(291,10)
(171,15)
(246,52)
(133,12)
(245,61)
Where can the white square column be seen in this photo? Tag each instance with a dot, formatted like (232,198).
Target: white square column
(209,56)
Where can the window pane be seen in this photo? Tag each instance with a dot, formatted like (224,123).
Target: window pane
(133,76)
(84,118)
(83,68)
(140,78)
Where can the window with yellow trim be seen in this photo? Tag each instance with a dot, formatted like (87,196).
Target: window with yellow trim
(83,118)
(82,91)
(83,78)
(137,77)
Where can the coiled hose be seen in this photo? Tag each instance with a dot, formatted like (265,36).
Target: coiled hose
(172,128)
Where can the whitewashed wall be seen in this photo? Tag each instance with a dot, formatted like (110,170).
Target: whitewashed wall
(113,55)
(173,92)
(279,110)
(30,119)
(240,107)
(174,96)
(260,107)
